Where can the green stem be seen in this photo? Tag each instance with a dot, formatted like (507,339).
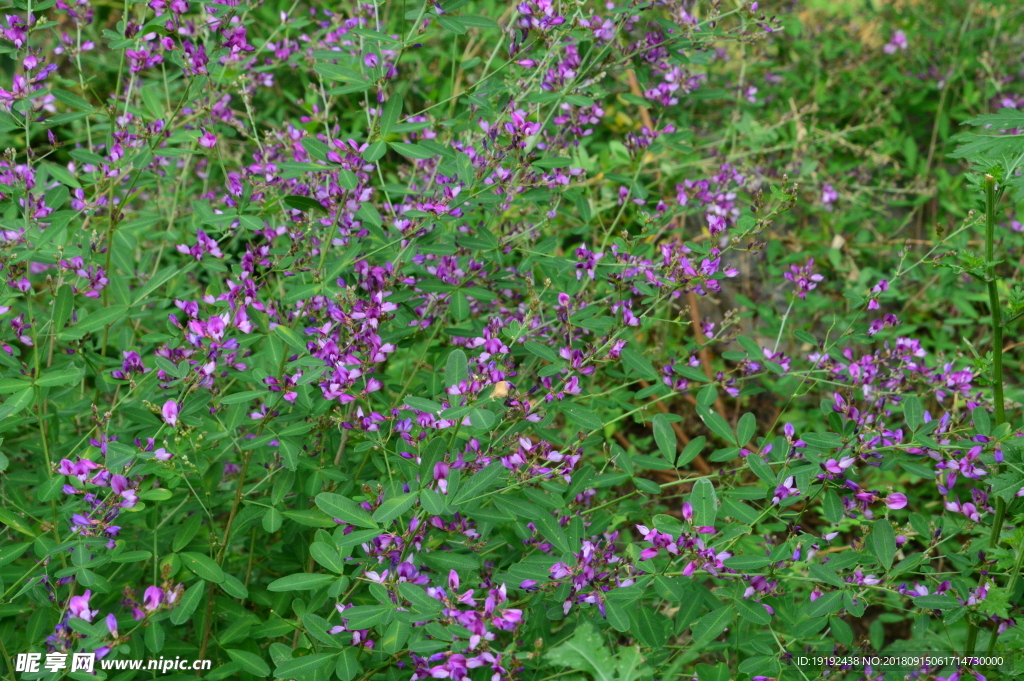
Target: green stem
(997,333)
(993,298)
(997,367)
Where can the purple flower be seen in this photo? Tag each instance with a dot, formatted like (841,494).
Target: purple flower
(898,41)
(786,489)
(112,625)
(152,598)
(828,196)
(207,140)
(803,278)
(896,500)
(78,606)
(170,413)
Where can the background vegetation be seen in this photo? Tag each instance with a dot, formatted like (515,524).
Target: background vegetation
(512,341)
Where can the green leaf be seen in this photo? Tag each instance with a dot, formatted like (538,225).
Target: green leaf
(234,587)
(746,563)
(159,279)
(452,23)
(71,99)
(746,428)
(12,552)
(15,522)
(1007,485)
(936,602)
(345,510)
(366,616)
(186,532)
(16,402)
(315,148)
(883,542)
(154,637)
(289,336)
(456,369)
(664,436)
(300,581)
(841,630)
(716,423)
(554,533)
(585,652)
(761,469)
(189,602)
(442,561)
(375,151)
(616,616)
(305,667)
(720,672)
(474,21)
(913,412)
(311,517)
(582,417)
(347,667)
(691,451)
(649,626)
(704,502)
(203,566)
(832,507)
(1004,119)
(823,574)
(272,520)
(303,203)
(395,636)
(477,484)
(982,421)
(825,604)
(390,114)
(335,72)
(640,364)
(327,556)
(62,175)
(542,351)
(413,151)
(62,306)
(752,611)
(394,507)
(417,595)
(421,404)
(318,628)
(249,662)
(100,318)
(708,627)
(822,440)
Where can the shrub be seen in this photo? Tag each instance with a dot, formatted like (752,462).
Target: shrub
(508,341)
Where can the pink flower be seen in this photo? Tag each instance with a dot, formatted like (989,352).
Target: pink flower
(170,413)
(152,598)
(78,606)
(896,500)
(837,467)
(898,41)
(828,196)
(162,454)
(208,140)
